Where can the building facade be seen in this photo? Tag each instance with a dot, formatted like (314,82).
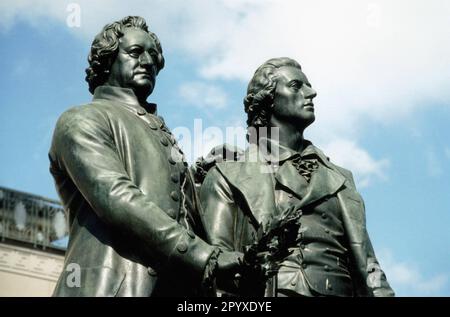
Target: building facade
(33,239)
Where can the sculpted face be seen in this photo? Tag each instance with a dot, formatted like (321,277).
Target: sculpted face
(135,64)
(293,98)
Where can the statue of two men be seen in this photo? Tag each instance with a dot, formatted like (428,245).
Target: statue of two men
(137,225)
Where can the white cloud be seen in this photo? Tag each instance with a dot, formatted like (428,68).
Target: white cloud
(362,71)
(370,60)
(349,155)
(203,95)
(31,11)
(406,278)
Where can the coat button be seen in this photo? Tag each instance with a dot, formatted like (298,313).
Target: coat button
(326,268)
(151,271)
(171,160)
(174,195)
(175,178)
(164,141)
(327,231)
(153,126)
(304,265)
(182,247)
(324,216)
(290,195)
(141,112)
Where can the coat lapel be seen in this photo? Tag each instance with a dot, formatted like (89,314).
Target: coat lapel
(254,181)
(256,187)
(289,177)
(324,182)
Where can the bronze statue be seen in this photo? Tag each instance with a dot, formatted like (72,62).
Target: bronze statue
(134,223)
(283,175)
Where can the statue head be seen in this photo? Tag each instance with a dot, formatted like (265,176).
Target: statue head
(125,54)
(279,91)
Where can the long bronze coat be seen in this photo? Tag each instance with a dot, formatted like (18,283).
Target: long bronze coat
(115,175)
(237,196)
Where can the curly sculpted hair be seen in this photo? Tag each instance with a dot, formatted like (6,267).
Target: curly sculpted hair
(105,46)
(261,90)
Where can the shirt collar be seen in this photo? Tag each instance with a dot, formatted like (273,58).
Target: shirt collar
(125,96)
(274,152)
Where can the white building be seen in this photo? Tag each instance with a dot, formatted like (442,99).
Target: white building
(33,238)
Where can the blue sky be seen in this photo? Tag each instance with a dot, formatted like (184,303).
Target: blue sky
(381,70)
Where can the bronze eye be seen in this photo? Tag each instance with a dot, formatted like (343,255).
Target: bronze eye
(296,84)
(135,52)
